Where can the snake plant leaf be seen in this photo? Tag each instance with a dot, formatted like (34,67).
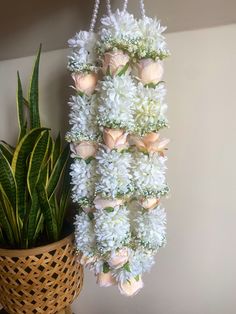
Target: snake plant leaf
(39,226)
(57,148)
(37,160)
(20,108)
(6,152)
(65,192)
(4,220)
(2,239)
(57,171)
(7,180)
(19,166)
(32,218)
(51,225)
(34,94)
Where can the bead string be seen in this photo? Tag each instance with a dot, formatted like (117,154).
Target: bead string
(125,5)
(108,3)
(142,8)
(94,16)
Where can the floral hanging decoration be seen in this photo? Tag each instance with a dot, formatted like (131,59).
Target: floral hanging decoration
(119,168)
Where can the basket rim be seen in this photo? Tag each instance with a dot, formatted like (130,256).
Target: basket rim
(37,250)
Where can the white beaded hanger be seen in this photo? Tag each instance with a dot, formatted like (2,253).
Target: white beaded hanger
(94,16)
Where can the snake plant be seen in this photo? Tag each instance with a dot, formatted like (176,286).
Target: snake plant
(34,177)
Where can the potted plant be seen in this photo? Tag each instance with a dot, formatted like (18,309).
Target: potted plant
(38,268)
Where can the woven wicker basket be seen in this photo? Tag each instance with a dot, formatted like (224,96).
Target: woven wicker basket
(41,280)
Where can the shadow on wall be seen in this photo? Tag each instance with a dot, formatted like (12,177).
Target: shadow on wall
(33,21)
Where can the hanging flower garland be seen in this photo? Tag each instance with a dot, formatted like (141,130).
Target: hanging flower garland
(118,173)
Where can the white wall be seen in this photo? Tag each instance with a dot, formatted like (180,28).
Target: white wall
(196,272)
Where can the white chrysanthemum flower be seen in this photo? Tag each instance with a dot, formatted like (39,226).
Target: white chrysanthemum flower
(114,176)
(140,261)
(149,174)
(120,24)
(151,31)
(84,46)
(112,228)
(83,117)
(83,179)
(84,234)
(150,109)
(116,102)
(150,228)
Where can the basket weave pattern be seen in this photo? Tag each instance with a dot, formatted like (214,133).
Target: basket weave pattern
(42,280)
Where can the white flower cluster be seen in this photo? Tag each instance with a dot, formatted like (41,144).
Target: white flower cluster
(150,228)
(140,38)
(82,118)
(114,174)
(112,228)
(151,33)
(84,56)
(119,168)
(149,175)
(84,234)
(150,109)
(116,102)
(83,179)
(122,104)
(119,25)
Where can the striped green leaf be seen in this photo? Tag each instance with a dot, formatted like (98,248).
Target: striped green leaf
(4,220)
(7,152)
(34,94)
(20,108)
(7,180)
(57,171)
(19,166)
(51,225)
(37,159)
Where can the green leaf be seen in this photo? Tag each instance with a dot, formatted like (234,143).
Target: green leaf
(65,193)
(136,278)
(89,159)
(106,267)
(37,159)
(57,171)
(109,209)
(57,148)
(6,152)
(91,215)
(19,166)
(127,267)
(153,85)
(7,180)
(4,220)
(34,94)
(39,226)
(32,219)
(20,108)
(123,70)
(51,225)
(2,239)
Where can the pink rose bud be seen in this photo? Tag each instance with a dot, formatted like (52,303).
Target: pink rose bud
(119,258)
(101,203)
(149,71)
(115,138)
(149,143)
(84,149)
(105,280)
(85,82)
(114,61)
(149,203)
(131,287)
